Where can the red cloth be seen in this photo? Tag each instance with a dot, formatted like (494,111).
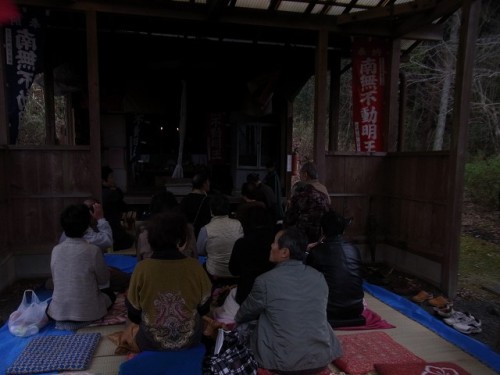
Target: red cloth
(438,368)
(362,350)
(263,371)
(8,12)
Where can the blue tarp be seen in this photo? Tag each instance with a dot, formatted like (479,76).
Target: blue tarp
(468,344)
(11,346)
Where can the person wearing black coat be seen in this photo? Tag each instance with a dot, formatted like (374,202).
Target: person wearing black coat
(340,263)
(250,255)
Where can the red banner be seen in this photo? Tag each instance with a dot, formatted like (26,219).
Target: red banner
(369,67)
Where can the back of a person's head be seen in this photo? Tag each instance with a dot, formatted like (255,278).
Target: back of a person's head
(257,217)
(295,241)
(162,202)
(75,219)
(310,169)
(253,177)
(166,231)
(219,205)
(333,223)
(199,180)
(248,190)
(105,172)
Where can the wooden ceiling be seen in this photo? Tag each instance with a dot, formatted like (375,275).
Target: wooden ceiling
(285,22)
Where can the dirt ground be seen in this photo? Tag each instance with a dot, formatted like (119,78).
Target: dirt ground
(478,280)
(478,287)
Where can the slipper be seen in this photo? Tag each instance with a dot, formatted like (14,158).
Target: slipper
(473,327)
(438,301)
(422,296)
(445,312)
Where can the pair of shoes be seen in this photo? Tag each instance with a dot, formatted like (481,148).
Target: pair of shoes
(464,322)
(445,311)
(458,317)
(439,301)
(474,327)
(422,296)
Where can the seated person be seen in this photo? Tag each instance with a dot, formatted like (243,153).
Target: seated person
(99,231)
(195,205)
(248,199)
(79,272)
(164,201)
(217,238)
(168,292)
(250,255)
(114,208)
(340,262)
(289,303)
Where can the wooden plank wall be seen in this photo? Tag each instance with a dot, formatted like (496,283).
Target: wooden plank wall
(4,216)
(406,193)
(42,182)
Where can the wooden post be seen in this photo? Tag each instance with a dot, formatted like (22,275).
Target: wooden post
(333,119)
(320,100)
(94,105)
(48,92)
(391,98)
(4,122)
(463,83)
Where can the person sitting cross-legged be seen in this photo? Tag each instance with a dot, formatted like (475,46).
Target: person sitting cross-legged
(340,263)
(79,272)
(168,292)
(292,334)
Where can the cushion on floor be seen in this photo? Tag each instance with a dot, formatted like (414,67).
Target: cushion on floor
(56,353)
(441,368)
(187,361)
(362,350)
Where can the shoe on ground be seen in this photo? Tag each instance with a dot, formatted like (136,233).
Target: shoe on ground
(422,296)
(459,317)
(468,328)
(439,301)
(445,312)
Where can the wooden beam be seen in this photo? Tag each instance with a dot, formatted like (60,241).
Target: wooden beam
(443,9)
(432,32)
(471,13)
(391,98)
(94,105)
(4,120)
(320,100)
(388,12)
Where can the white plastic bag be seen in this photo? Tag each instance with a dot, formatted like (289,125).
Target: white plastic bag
(29,317)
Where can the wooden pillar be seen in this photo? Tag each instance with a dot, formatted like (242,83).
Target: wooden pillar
(463,84)
(402,111)
(391,98)
(48,92)
(4,122)
(94,105)
(320,100)
(333,119)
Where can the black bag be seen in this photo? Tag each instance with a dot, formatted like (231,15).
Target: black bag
(231,356)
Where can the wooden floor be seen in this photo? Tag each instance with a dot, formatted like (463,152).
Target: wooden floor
(410,334)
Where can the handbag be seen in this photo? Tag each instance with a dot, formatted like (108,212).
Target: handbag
(30,316)
(231,356)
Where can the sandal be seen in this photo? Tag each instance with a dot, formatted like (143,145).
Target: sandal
(470,327)
(439,302)
(446,311)
(422,296)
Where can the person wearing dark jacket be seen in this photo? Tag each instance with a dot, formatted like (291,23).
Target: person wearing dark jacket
(340,263)
(250,255)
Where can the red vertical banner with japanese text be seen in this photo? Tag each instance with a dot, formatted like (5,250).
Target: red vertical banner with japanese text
(369,67)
